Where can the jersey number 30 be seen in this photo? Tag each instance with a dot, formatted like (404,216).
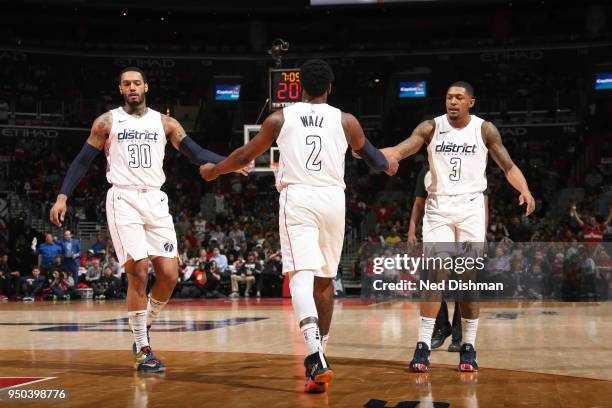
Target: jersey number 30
(456,169)
(314,163)
(140,155)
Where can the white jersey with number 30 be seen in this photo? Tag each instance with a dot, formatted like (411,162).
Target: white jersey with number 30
(312,146)
(135,150)
(457,158)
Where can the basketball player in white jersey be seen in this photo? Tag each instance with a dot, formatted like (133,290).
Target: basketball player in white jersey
(457,147)
(134,140)
(313,138)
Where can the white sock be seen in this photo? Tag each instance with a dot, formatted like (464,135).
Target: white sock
(312,337)
(324,340)
(153,309)
(469,326)
(138,324)
(426,327)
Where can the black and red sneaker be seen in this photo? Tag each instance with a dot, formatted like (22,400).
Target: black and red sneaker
(467,358)
(318,373)
(420,360)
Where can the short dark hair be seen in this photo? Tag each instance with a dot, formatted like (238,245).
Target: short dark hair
(462,84)
(133,69)
(316,75)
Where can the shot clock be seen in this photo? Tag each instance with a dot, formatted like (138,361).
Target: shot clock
(285,87)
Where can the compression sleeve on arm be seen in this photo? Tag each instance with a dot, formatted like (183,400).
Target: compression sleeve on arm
(78,168)
(373,157)
(196,154)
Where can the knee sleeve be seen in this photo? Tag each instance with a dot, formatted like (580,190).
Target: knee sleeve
(302,298)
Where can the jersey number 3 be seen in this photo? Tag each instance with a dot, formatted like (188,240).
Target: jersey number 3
(140,155)
(314,163)
(456,169)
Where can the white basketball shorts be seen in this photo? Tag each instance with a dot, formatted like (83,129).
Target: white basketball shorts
(140,223)
(459,218)
(311,228)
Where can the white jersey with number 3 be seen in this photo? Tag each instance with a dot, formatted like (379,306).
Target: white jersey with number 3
(312,146)
(135,150)
(457,158)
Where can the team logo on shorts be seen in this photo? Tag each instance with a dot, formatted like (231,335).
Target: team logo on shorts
(168,246)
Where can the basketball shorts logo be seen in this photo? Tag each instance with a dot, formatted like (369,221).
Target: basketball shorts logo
(466,247)
(168,246)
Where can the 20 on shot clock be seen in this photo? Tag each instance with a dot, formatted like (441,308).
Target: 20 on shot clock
(285,87)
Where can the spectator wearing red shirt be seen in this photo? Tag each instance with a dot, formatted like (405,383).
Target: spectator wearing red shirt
(592,231)
(384,213)
(193,241)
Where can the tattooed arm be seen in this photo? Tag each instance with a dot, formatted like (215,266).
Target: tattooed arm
(514,175)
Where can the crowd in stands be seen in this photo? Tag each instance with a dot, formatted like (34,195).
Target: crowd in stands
(228,231)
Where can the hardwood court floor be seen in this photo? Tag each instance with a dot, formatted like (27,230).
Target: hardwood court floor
(249,354)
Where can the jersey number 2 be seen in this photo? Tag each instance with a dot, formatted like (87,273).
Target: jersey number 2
(456,174)
(140,156)
(314,163)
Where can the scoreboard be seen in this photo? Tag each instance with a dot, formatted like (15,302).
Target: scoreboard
(285,87)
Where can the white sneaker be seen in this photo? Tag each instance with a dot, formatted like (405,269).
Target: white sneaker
(234,295)
(28,299)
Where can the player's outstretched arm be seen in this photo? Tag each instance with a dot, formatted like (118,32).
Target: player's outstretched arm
(186,145)
(514,175)
(362,147)
(79,166)
(421,135)
(270,128)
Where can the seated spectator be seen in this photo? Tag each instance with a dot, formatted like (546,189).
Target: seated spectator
(108,286)
(200,227)
(61,285)
(94,272)
(47,251)
(248,272)
(218,235)
(33,285)
(220,260)
(113,264)
(500,263)
(57,265)
(9,279)
(272,275)
(213,280)
(194,286)
(99,248)
(68,284)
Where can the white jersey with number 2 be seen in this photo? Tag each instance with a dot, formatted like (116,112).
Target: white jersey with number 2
(312,146)
(135,150)
(457,158)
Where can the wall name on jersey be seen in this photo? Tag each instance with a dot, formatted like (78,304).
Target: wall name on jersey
(136,135)
(451,147)
(312,121)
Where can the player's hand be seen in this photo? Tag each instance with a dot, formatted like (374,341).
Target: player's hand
(246,169)
(58,211)
(528,199)
(393,163)
(412,240)
(206,171)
